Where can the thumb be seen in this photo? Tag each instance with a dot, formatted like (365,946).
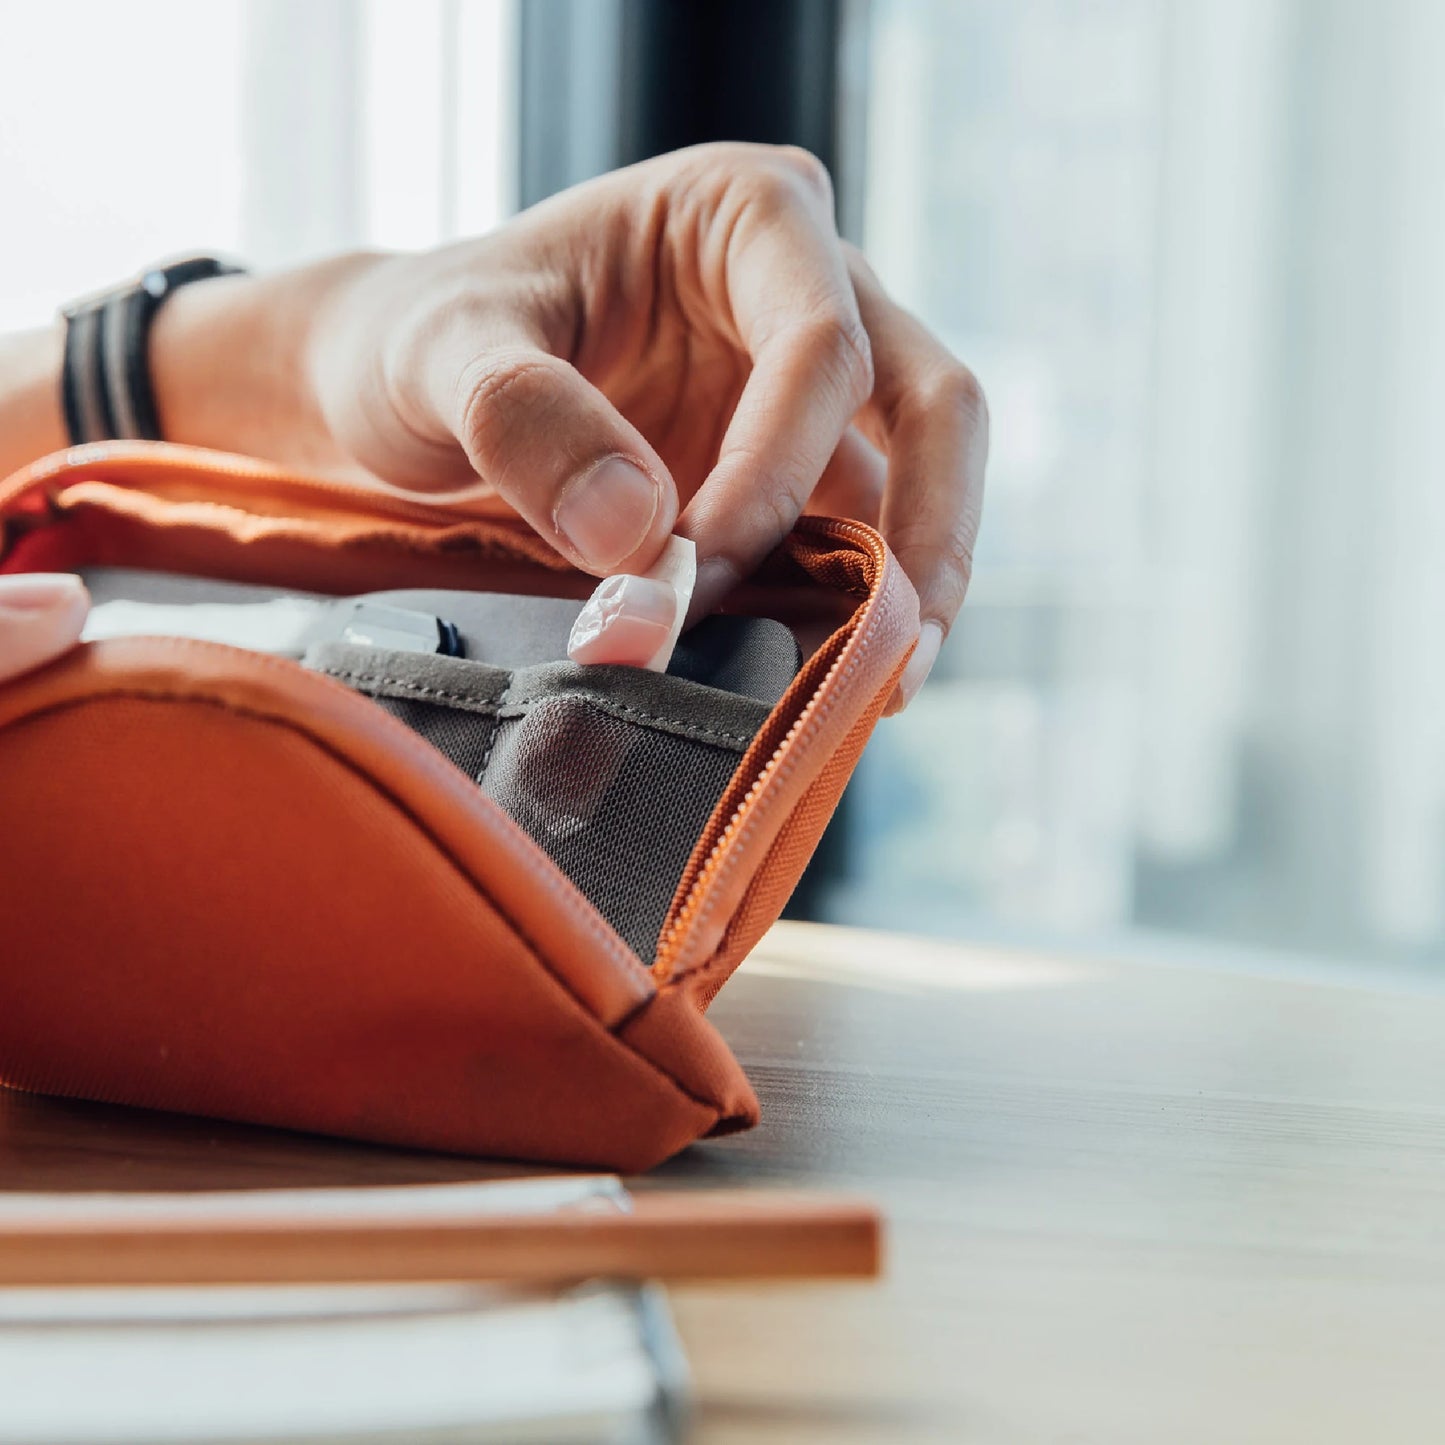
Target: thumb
(41,614)
(559,452)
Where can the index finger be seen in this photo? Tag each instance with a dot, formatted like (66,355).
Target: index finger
(795,314)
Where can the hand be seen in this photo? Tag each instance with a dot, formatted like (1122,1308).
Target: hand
(41,614)
(685,343)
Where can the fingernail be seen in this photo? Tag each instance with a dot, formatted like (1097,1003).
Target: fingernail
(930,639)
(41,591)
(625,621)
(606,513)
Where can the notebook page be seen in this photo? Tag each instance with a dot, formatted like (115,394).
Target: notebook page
(337,1362)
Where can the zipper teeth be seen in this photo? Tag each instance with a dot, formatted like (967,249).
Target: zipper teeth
(678,921)
(228,464)
(682,917)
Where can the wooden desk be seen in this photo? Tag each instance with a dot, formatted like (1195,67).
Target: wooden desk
(1128,1202)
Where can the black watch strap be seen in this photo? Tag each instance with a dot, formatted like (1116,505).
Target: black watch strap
(105,381)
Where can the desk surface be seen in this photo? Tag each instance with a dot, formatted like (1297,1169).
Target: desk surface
(1127,1202)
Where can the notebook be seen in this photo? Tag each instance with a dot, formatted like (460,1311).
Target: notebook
(415,1363)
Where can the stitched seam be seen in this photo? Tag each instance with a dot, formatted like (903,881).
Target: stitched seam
(492,740)
(473,704)
(507,707)
(659,720)
(635,1013)
(535,952)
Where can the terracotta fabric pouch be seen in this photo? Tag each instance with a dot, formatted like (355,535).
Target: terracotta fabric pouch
(477,904)
(612,771)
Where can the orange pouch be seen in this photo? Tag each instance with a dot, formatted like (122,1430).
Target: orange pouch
(239,887)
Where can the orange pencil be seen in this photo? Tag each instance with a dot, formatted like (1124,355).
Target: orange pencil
(665,1236)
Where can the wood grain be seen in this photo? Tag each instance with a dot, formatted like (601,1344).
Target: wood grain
(1127,1201)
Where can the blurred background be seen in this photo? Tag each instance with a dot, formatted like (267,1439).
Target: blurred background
(1191,247)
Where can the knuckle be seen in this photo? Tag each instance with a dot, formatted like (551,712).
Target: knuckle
(759,517)
(500,385)
(956,566)
(842,349)
(958,390)
(779,510)
(725,153)
(807,168)
(783,178)
(946,565)
(772,190)
(706,167)
(858,264)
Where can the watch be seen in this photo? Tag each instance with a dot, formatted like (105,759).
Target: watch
(105,380)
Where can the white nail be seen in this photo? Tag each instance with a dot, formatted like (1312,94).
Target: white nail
(624,622)
(40,591)
(930,639)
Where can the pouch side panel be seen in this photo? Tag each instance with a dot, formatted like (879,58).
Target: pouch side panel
(222,918)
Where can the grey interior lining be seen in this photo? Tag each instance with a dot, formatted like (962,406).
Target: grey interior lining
(755,656)
(672,705)
(613,771)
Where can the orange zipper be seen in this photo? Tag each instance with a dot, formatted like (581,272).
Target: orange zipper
(127,461)
(720,835)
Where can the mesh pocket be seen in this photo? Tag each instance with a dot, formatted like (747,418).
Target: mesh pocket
(612,771)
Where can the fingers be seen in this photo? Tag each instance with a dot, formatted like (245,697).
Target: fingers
(557,450)
(852,484)
(793,306)
(929,415)
(41,615)
(626,621)
(636,621)
(470,399)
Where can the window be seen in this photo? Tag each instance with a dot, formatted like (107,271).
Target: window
(269,129)
(1190,246)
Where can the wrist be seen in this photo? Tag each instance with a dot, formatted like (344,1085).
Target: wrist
(31,421)
(231,365)
(374,325)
